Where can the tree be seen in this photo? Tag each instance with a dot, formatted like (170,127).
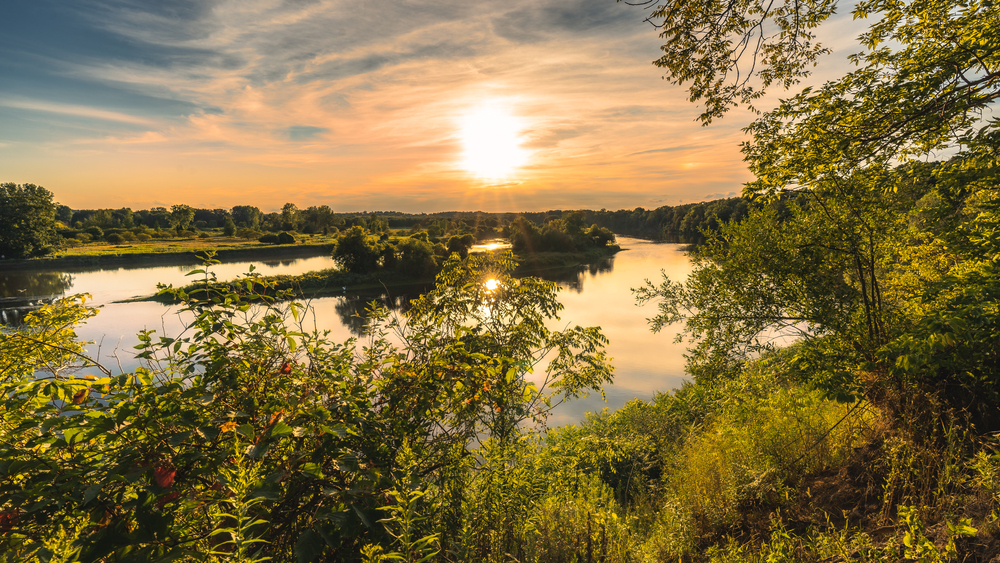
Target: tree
(290,217)
(181,216)
(229,227)
(461,244)
(415,257)
(27,220)
(247,216)
(937,56)
(906,243)
(356,251)
(730,51)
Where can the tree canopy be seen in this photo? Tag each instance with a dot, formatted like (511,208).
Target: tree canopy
(924,56)
(27,220)
(884,249)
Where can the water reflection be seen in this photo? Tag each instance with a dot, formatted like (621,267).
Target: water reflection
(573,278)
(277,263)
(27,284)
(352,309)
(113,283)
(24,291)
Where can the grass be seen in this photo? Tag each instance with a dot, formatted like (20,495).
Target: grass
(174,250)
(181,245)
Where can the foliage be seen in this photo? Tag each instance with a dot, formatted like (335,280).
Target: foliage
(27,220)
(879,249)
(245,420)
(229,228)
(565,234)
(722,47)
(181,216)
(356,252)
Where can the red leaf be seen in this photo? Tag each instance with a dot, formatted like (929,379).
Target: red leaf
(172,495)
(164,476)
(286,368)
(9,519)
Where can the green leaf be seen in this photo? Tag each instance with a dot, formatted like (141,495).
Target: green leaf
(92,492)
(281,429)
(308,547)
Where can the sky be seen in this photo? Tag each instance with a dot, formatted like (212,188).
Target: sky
(415,106)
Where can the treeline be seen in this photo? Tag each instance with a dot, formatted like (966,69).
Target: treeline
(682,223)
(184,218)
(678,223)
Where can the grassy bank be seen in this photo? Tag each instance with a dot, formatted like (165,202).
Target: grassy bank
(759,468)
(172,251)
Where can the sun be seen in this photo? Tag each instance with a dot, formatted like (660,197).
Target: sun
(491,135)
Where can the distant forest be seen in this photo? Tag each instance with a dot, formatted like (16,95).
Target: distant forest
(680,223)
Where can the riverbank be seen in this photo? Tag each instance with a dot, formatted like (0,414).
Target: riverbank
(171,253)
(324,283)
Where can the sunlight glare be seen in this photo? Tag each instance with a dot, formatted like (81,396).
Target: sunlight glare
(491,135)
(491,284)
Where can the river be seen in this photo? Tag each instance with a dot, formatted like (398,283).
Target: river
(599,295)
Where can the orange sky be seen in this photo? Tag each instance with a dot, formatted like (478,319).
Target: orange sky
(360,106)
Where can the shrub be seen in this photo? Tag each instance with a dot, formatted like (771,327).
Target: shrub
(249,234)
(269,238)
(285,238)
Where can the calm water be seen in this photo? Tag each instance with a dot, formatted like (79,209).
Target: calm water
(599,295)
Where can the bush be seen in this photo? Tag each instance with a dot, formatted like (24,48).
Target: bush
(269,238)
(750,450)
(114,238)
(249,234)
(416,257)
(285,238)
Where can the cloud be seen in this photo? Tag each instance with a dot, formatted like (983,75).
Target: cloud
(670,149)
(305,132)
(539,21)
(552,137)
(78,111)
(719,195)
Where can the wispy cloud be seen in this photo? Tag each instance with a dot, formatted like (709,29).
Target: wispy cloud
(669,149)
(78,111)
